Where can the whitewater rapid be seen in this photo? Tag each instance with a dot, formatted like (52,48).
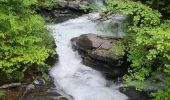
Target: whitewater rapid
(70,75)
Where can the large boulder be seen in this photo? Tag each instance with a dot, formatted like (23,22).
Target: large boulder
(59,14)
(40,89)
(96,52)
(133,94)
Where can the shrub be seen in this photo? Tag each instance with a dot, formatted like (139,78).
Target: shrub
(2,94)
(24,38)
(148,39)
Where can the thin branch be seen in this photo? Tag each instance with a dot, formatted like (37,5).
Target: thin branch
(10,85)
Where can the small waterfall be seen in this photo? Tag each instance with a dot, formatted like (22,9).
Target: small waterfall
(117,25)
(100,2)
(70,75)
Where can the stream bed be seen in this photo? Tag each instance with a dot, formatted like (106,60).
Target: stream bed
(70,75)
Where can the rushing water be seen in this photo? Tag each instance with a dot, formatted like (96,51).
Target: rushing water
(98,2)
(76,79)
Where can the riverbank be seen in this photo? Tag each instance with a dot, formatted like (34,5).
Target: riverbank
(88,66)
(20,92)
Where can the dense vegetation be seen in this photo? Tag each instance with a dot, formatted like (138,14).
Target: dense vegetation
(25,40)
(147,42)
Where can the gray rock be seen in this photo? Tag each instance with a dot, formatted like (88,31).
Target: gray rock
(59,14)
(133,94)
(73,4)
(92,41)
(39,81)
(96,53)
(63,3)
(45,91)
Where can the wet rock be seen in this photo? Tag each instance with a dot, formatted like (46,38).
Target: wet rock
(96,53)
(39,81)
(72,4)
(152,86)
(133,94)
(63,3)
(94,16)
(58,15)
(44,91)
(63,98)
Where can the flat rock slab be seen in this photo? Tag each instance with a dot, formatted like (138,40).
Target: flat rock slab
(96,52)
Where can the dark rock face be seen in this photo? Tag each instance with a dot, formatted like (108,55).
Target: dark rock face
(41,90)
(133,94)
(58,15)
(96,52)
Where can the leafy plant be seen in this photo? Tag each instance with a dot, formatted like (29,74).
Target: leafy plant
(118,48)
(49,4)
(164,93)
(148,42)
(163,6)
(2,94)
(24,38)
(91,8)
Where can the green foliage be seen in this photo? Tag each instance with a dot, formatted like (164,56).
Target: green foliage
(142,15)
(24,38)
(148,42)
(2,94)
(162,5)
(163,94)
(45,3)
(150,51)
(118,48)
(92,8)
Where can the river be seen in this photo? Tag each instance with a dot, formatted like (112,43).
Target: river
(70,75)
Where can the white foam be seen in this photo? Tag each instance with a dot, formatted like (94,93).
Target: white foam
(78,80)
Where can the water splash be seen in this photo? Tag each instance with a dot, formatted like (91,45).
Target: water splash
(76,79)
